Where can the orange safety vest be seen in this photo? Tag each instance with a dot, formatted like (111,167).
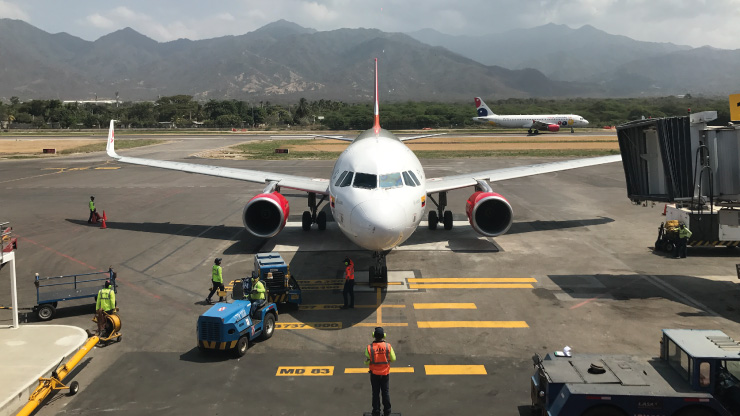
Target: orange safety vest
(350,271)
(379,358)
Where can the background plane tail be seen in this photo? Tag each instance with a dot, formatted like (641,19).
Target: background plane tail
(482,108)
(110,148)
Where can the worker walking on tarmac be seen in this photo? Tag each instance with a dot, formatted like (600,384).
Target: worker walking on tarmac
(349,284)
(217,279)
(378,356)
(93,212)
(257,294)
(106,303)
(683,238)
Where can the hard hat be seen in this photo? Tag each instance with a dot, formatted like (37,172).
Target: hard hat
(379,332)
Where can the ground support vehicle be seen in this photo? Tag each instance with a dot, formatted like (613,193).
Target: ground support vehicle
(229,326)
(712,226)
(52,290)
(696,374)
(282,288)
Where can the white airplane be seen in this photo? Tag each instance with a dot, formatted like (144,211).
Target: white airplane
(533,122)
(377,192)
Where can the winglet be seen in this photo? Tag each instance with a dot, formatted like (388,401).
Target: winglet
(376,126)
(110,147)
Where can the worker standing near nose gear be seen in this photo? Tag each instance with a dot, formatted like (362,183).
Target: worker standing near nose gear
(106,301)
(349,284)
(378,356)
(93,212)
(217,279)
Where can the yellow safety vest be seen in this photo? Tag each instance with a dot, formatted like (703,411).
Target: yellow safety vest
(217,274)
(106,299)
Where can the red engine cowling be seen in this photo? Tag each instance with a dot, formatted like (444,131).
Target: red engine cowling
(553,127)
(265,214)
(489,213)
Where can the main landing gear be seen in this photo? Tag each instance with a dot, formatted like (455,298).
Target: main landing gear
(312,216)
(533,131)
(379,271)
(440,215)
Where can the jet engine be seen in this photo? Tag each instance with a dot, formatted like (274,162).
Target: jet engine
(489,213)
(265,214)
(553,127)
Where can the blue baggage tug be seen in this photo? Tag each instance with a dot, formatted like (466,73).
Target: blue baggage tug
(229,326)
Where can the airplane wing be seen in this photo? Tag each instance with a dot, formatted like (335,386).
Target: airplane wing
(346,139)
(403,139)
(301,183)
(449,183)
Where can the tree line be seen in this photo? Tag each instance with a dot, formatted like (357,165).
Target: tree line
(182,111)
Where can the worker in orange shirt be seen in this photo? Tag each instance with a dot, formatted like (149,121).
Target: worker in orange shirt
(378,356)
(349,284)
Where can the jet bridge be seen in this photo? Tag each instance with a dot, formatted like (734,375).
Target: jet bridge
(694,167)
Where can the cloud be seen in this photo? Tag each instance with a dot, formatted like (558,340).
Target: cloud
(12,11)
(100,21)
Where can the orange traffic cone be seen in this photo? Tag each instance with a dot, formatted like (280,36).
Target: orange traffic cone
(104,217)
(665,207)
(103,224)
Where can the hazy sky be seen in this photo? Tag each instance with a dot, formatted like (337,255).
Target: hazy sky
(687,22)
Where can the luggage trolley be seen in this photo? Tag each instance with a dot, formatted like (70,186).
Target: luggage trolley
(52,290)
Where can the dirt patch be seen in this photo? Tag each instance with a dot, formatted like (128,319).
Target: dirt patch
(37,146)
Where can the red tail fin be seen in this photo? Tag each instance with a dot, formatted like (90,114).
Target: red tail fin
(376,126)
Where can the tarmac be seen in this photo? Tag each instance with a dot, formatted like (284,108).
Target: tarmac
(29,352)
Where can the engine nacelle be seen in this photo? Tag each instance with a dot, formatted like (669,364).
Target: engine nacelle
(265,214)
(489,213)
(553,127)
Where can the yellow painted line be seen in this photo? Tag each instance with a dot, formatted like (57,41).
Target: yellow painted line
(474,280)
(472,286)
(365,370)
(374,324)
(454,370)
(393,306)
(305,371)
(445,306)
(110,168)
(472,324)
(308,325)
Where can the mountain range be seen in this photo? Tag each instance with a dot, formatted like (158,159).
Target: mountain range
(283,61)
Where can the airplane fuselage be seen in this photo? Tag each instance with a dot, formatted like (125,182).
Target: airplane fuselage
(377,191)
(528,120)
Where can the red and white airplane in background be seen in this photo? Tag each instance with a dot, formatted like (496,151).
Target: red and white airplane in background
(377,192)
(533,122)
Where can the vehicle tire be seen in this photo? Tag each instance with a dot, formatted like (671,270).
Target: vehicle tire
(268,327)
(603,411)
(448,220)
(668,246)
(695,411)
(241,347)
(321,220)
(306,221)
(45,312)
(433,220)
(118,338)
(74,387)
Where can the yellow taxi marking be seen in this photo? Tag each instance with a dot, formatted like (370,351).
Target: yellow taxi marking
(308,325)
(472,286)
(393,306)
(305,371)
(449,370)
(472,324)
(365,370)
(374,324)
(474,280)
(445,306)
(109,168)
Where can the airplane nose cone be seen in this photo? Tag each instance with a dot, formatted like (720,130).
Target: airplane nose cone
(585,122)
(378,224)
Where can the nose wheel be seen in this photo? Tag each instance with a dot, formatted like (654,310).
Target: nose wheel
(312,216)
(379,271)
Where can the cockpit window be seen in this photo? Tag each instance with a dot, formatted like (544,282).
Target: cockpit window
(414,178)
(340,178)
(390,180)
(347,180)
(365,180)
(408,180)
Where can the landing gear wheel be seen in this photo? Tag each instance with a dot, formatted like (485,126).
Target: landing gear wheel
(74,387)
(433,220)
(268,327)
(45,312)
(321,220)
(241,347)
(448,220)
(306,221)
(529,131)
(384,274)
(536,131)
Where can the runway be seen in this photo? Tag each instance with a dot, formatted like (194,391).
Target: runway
(575,269)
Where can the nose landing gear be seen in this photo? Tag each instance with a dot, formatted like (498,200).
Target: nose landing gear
(379,271)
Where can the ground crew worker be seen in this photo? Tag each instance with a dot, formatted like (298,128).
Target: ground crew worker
(106,302)
(217,279)
(93,212)
(257,294)
(683,238)
(378,357)
(349,284)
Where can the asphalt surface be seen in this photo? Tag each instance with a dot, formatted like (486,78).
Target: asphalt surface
(596,286)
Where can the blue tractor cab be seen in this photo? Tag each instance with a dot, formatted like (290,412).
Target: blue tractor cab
(230,326)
